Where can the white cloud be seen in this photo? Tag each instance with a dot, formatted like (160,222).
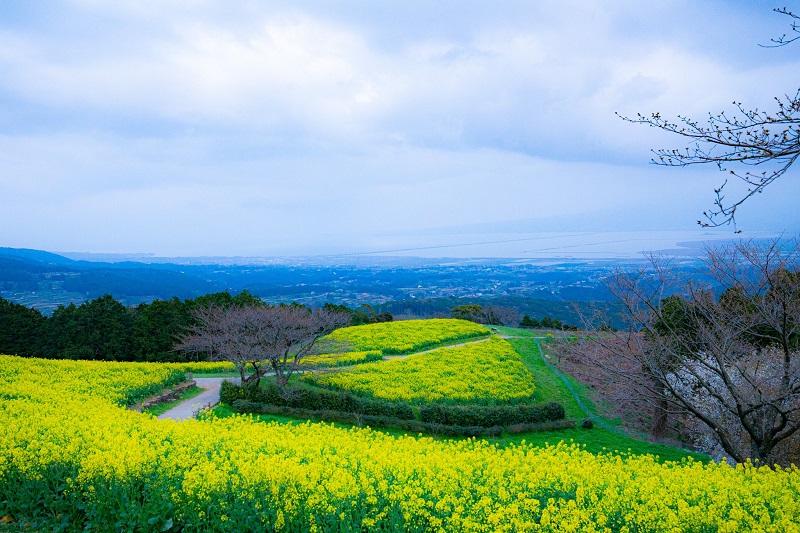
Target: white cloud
(302,121)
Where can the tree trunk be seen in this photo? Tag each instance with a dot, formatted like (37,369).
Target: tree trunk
(660,416)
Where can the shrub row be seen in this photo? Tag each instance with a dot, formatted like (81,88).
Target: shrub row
(317,400)
(412,426)
(485,416)
(230,392)
(341,401)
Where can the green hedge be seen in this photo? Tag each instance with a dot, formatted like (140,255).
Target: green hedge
(485,416)
(346,407)
(412,426)
(230,392)
(317,400)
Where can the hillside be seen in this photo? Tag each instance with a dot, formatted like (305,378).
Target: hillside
(117,469)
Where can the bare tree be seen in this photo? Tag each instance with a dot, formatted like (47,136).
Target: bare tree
(260,337)
(785,39)
(501,316)
(768,140)
(724,354)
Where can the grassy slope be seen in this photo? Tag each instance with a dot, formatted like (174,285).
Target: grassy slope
(597,439)
(549,387)
(516,332)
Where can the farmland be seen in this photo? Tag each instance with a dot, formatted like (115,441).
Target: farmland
(72,457)
(407,336)
(485,372)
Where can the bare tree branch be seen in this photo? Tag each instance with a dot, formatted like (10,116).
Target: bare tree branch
(260,337)
(785,39)
(749,138)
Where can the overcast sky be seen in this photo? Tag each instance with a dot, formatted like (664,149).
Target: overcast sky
(260,128)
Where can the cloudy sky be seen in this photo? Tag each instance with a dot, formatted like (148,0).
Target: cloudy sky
(261,128)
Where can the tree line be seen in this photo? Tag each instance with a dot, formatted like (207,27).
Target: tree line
(105,329)
(496,315)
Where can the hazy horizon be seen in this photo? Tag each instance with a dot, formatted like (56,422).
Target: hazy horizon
(578,246)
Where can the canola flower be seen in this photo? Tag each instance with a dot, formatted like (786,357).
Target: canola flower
(484,372)
(203,367)
(72,458)
(407,336)
(121,383)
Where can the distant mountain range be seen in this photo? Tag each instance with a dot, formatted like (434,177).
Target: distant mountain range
(45,280)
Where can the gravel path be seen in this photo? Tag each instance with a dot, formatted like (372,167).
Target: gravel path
(208,398)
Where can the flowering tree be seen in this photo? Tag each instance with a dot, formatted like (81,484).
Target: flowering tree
(724,353)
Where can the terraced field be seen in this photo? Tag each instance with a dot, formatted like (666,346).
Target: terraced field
(408,336)
(485,372)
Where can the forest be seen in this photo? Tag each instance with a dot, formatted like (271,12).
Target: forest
(105,329)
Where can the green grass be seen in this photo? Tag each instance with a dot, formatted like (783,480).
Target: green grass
(549,387)
(515,332)
(162,408)
(596,405)
(598,440)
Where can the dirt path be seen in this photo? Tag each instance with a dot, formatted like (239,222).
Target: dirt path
(390,357)
(208,398)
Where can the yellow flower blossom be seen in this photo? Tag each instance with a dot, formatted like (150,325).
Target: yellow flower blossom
(70,452)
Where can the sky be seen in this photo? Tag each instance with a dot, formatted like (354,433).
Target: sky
(188,128)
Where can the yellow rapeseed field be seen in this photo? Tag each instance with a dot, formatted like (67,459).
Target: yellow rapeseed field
(482,372)
(73,458)
(407,336)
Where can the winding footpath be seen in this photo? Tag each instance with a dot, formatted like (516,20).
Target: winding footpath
(558,373)
(208,398)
